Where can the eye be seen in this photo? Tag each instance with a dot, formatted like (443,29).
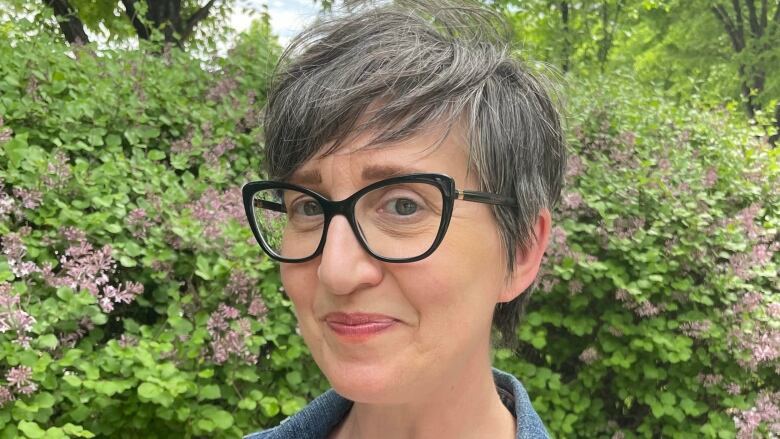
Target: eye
(306,207)
(401,206)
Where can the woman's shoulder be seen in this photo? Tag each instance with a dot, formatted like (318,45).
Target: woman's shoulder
(315,421)
(516,399)
(321,416)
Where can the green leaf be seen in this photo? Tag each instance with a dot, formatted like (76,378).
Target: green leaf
(31,429)
(149,391)
(210,391)
(48,341)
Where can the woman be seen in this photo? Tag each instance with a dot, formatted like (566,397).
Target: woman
(414,165)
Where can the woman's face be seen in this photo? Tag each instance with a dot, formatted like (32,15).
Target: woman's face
(384,332)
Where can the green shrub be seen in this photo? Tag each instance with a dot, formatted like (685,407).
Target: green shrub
(659,312)
(135,303)
(133,299)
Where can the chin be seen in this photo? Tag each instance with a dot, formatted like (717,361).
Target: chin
(366,383)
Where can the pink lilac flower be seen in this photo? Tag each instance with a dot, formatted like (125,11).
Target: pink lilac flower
(766,411)
(773,311)
(573,166)
(647,309)
(28,389)
(5,133)
(228,312)
(214,209)
(18,376)
(575,286)
(696,329)
(14,251)
(709,380)
(240,286)
(733,389)
(83,266)
(223,88)
(589,355)
(710,178)
(7,204)
(126,341)
(572,200)
(139,222)
(184,144)
(212,155)
(12,316)
(257,307)
(114,295)
(30,199)
(57,171)
(6,396)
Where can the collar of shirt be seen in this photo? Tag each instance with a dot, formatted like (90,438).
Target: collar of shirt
(322,415)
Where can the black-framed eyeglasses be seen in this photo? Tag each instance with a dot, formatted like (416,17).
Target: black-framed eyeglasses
(399,219)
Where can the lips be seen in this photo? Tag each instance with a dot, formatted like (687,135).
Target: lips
(358,326)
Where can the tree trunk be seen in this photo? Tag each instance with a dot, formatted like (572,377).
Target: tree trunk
(70,24)
(166,17)
(567,37)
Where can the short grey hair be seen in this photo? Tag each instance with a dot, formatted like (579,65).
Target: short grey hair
(425,63)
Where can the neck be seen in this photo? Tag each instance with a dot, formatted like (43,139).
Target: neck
(465,405)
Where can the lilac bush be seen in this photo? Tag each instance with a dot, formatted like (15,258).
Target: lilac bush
(134,301)
(657,313)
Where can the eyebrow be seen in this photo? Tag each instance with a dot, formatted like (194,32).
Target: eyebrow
(371,172)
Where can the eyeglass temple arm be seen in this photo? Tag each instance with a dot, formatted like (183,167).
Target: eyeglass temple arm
(484,197)
(270,205)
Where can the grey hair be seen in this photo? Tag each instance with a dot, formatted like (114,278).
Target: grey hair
(396,69)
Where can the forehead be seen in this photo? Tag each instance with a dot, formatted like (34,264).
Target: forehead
(362,158)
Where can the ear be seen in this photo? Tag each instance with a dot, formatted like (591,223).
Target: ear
(527,262)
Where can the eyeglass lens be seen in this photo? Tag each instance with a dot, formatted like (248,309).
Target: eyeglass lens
(396,221)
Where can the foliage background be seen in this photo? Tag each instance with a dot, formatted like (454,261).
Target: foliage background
(134,302)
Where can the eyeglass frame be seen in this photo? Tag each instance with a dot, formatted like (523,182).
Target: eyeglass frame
(346,208)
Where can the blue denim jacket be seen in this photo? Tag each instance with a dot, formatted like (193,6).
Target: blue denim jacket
(323,414)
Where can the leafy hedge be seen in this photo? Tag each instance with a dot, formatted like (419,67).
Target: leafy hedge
(134,303)
(659,312)
(133,300)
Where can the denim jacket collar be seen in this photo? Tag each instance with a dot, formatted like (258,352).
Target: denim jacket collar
(322,415)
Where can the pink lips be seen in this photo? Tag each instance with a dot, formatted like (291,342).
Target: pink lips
(358,326)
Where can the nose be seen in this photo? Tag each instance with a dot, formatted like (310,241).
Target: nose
(345,267)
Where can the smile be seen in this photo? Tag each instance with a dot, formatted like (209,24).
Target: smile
(358,326)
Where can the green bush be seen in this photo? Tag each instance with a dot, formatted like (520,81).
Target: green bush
(659,312)
(133,300)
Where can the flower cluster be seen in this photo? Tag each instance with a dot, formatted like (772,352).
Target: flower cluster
(211,156)
(228,334)
(5,133)
(19,382)
(14,251)
(138,221)
(589,355)
(765,411)
(214,209)
(13,317)
(696,329)
(642,308)
(82,266)
(57,171)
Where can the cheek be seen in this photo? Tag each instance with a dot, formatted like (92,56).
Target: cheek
(299,280)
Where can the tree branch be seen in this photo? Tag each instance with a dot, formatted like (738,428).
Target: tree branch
(140,29)
(764,13)
(738,19)
(723,17)
(196,17)
(776,18)
(70,24)
(755,27)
